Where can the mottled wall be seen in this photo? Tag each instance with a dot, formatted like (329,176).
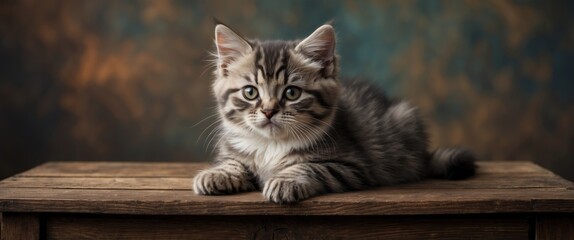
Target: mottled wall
(127,80)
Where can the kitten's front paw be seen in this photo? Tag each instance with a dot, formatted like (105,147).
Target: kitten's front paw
(281,190)
(217,181)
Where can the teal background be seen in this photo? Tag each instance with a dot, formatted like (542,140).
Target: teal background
(128,80)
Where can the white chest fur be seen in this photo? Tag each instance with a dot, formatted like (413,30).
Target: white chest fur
(267,156)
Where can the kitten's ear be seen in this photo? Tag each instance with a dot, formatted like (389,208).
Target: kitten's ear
(229,44)
(320,45)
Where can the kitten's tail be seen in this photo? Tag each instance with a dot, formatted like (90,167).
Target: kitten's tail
(452,163)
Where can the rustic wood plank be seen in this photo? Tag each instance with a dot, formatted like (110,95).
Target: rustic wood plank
(554,227)
(371,202)
(145,189)
(148,188)
(278,227)
(133,169)
(115,169)
(481,181)
(512,167)
(19,226)
(145,183)
(178,176)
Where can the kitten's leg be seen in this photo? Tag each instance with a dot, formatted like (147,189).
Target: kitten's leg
(229,176)
(304,180)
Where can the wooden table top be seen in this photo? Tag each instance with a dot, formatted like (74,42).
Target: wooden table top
(166,189)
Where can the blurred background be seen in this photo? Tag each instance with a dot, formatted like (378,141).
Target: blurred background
(84,80)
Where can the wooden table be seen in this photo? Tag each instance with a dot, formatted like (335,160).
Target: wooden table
(107,200)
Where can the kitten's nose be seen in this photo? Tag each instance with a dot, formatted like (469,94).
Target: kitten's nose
(269,112)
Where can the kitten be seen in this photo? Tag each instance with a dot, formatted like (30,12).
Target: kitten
(293,130)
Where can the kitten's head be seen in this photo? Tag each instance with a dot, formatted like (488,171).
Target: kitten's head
(276,90)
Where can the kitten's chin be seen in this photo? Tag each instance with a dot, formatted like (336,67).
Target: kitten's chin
(271,131)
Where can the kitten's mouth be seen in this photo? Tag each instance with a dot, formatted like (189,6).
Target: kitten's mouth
(270,125)
(267,124)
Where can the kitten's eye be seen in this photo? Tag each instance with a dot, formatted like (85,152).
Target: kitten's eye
(250,93)
(292,93)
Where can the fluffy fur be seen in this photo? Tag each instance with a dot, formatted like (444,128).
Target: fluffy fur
(293,130)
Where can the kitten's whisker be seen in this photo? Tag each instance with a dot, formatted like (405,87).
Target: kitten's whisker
(226,133)
(294,133)
(303,135)
(318,139)
(221,137)
(333,143)
(320,135)
(325,132)
(313,143)
(300,128)
(211,63)
(213,134)
(204,119)
(218,131)
(210,125)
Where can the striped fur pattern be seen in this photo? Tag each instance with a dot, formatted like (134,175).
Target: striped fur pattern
(291,129)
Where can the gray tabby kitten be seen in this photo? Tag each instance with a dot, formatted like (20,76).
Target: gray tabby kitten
(292,129)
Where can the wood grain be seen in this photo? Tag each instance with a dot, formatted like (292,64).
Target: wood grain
(79,200)
(555,227)
(165,188)
(159,183)
(280,227)
(19,226)
(482,181)
(370,202)
(163,169)
(115,169)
